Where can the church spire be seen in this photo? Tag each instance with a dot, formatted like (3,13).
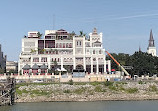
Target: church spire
(140,49)
(151,40)
(94,31)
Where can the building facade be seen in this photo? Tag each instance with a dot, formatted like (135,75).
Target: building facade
(2,60)
(63,50)
(151,47)
(12,66)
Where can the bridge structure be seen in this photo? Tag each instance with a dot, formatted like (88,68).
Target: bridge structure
(7,92)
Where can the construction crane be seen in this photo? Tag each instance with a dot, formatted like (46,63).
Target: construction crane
(118,64)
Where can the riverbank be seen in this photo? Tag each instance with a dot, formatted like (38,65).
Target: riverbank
(87,91)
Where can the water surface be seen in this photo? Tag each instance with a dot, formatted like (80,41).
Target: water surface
(85,106)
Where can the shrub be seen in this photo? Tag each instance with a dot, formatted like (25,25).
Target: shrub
(67,91)
(108,83)
(140,82)
(71,82)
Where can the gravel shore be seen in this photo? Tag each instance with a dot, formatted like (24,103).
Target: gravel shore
(87,92)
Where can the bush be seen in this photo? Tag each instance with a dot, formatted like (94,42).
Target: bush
(67,91)
(71,82)
(140,82)
(108,83)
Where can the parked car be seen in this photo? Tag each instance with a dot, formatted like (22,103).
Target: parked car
(20,81)
(38,81)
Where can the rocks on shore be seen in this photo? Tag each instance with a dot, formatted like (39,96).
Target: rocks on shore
(87,92)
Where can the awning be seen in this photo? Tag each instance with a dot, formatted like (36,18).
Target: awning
(26,67)
(63,69)
(58,69)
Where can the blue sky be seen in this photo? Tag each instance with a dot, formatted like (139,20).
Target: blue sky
(125,24)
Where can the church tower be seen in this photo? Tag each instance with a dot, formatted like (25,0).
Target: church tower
(151,47)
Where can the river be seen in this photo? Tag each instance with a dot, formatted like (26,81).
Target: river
(85,106)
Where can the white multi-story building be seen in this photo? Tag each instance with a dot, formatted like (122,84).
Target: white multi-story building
(62,50)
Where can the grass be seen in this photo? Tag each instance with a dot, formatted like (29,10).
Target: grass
(19,92)
(32,92)
(131,90)
(153,88)
(95,83)
(79,90)
(90,92)
(114,88)
(80,83)
(98,89)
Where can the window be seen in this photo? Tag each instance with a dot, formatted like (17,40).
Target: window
(60,45)
(67,45)
(63,45)
(99,51)
(70,45)
(93,51)
(57,45)
(35,59)
(43,59)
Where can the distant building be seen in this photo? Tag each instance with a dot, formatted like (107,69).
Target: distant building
(2,60)
(151,47)
(11,66)
(64,50)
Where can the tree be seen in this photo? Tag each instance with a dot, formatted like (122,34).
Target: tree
(33,51)
(142,63)
(82,34)
(71,35)
(39,35)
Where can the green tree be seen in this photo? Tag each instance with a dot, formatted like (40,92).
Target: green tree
(39,35)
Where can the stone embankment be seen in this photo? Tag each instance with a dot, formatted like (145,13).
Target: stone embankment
(87,91)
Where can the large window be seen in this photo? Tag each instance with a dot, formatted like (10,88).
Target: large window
(88,68)
(101,68)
